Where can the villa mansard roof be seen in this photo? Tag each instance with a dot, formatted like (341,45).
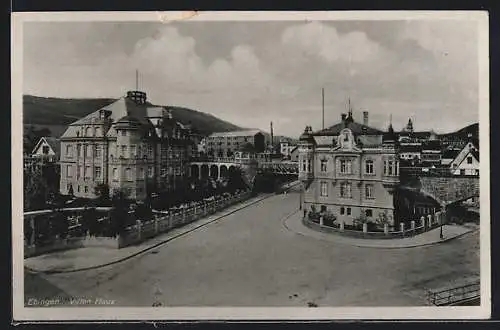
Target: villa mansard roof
(126,111)
(356,128)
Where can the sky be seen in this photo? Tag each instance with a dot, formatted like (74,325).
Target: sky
(251,73)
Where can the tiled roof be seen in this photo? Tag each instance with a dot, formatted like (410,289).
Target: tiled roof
(450,153)
(235,133)
(54,143)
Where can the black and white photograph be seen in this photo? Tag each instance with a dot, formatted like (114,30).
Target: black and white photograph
(250,165)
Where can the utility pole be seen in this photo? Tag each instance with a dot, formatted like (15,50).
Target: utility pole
(323,107)
(136,80)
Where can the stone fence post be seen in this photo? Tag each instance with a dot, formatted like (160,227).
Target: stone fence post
(422,220)
(402,227)
(365,227)
(321,220)
(413,224)
(342,225)
(386,228)
(429,220)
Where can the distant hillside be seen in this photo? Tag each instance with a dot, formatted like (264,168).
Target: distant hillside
(55,114)
(463,133)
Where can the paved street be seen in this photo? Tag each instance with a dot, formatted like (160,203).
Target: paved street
(249,259)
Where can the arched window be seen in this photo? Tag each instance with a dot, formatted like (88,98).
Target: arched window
(87,131)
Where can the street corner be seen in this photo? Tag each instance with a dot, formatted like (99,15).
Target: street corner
(294,224)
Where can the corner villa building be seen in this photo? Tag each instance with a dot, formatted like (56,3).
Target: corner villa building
(351,170)
(130,145)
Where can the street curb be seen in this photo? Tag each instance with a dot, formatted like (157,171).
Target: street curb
(283,222)
(135,254)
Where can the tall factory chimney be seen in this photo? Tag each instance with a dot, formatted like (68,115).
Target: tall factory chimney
(272,135)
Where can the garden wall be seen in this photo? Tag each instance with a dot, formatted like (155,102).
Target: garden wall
(418,227)
(161,223)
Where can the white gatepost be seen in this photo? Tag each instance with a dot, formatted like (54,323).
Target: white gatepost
(402,227)
(422,219)
(365,227)
(429,219)
(139,229)
(321,220)
(342,226)
(386,228)
(413,224)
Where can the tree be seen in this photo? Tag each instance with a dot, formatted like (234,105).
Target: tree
(119,217)
(102,193)
(235,180)
(89,222)
(382,219)
(36,190)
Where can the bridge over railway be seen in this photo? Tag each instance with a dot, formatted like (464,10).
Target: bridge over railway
(220,167)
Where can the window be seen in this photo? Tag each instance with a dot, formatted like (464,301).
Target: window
(150,150)
(469,159)
(98,151)
(97,131)
(369,191)
(323,165)
(79,150)
(369,167)
(141,173)
(342,210)
(87,131)
(324,189)
(128,174)
(150,172)
(348,211)
(345,166)
(369,213)
(345,190)
(97,170)
(132,151)
(390,167)
(45,150)
(462,171)
(115,174)
(69,171)
(69,150)
(80,171)
(78,188)
(385,167)
(124,133)
(89,150)
(396,167)
(309,165)
(304,166)
(87,172)
(86,189)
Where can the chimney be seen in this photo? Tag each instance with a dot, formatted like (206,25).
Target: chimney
(344,116)
(365,118)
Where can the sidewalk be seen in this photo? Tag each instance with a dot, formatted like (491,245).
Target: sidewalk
(96,257)
(295,225)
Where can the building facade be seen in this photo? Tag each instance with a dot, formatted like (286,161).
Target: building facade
(224,144)
(350,169)
(467,160)
(130,145)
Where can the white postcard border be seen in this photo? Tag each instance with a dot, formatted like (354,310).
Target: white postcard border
(22,313)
